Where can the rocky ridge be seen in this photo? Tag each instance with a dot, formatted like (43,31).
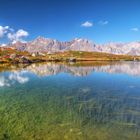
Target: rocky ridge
(42,44)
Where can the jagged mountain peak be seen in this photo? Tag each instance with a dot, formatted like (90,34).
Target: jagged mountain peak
(39,39)
(42,44)
(82,40)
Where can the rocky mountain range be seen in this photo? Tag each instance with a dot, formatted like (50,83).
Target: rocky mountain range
(42,44)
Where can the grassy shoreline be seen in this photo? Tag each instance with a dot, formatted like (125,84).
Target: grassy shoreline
(13,56)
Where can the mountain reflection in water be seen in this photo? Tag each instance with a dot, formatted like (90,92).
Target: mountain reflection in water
(70,101)
(130,68)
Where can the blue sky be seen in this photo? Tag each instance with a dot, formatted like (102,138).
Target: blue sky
(98,20)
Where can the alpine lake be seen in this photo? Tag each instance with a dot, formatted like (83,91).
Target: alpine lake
(70,101)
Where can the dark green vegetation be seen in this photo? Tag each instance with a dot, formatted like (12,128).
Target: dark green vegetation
(98,106)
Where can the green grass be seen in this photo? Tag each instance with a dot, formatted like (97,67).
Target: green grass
(65,56)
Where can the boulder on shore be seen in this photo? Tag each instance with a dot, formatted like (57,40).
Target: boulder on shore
(23,59)
(13,56)
(71,59)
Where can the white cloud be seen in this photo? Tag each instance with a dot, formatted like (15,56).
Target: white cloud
(87,24)
(3,30)
(135,29)
(18,36)
(103,22)
(3,45)
(12,35)
(21,33)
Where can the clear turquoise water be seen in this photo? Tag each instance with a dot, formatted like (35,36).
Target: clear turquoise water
(56,101)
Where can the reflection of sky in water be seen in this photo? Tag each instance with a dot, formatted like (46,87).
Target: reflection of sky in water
(123,69)
(60,101)
(8,79)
